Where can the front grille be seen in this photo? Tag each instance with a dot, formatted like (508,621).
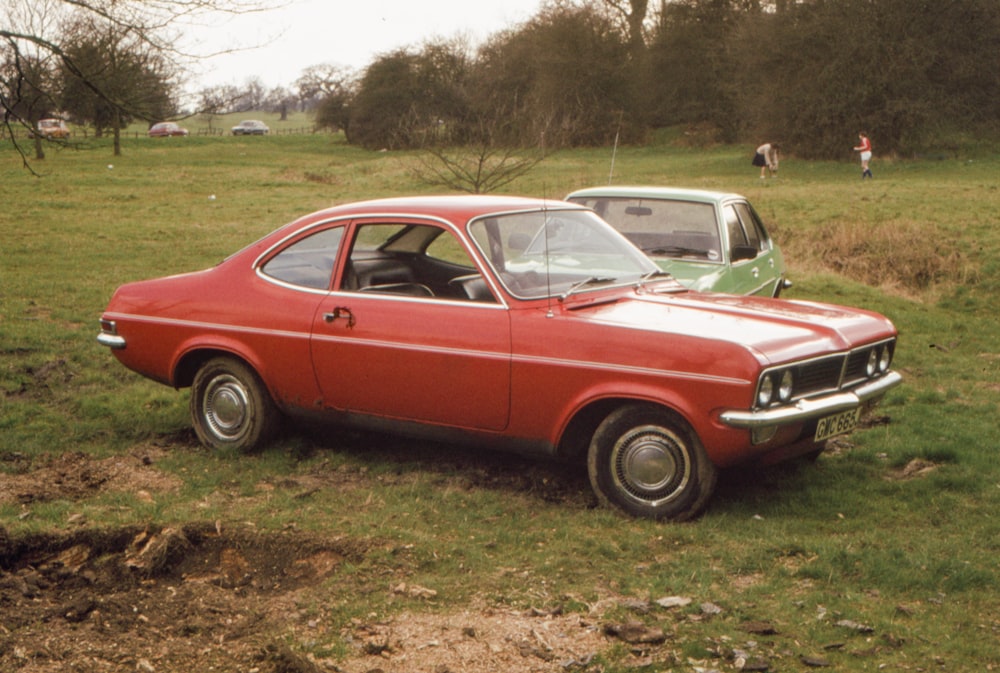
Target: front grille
(824,375)
(818,376)
(855,370)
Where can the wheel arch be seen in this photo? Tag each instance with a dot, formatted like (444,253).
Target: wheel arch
(191,361)
(574,443)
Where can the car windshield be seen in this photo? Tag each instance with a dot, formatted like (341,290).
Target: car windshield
(556,253)
(662,227)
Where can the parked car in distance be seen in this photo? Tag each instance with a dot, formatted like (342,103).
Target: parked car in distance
(709,241)
(53,129)
(507,322)
(166,130)
(251,127)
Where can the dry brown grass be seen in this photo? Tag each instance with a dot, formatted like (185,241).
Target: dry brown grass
(901,256)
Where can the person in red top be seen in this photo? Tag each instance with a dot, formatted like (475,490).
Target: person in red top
(865,147)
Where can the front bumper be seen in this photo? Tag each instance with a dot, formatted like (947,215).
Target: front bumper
(810,409)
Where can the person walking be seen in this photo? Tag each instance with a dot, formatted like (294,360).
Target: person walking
(865,147)
(767,158)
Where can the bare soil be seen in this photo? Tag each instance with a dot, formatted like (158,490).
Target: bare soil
(214,597)
(227,597)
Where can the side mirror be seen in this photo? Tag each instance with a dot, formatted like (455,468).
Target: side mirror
(741,252)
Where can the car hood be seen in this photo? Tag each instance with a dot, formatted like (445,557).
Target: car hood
(775,330)
(694,274)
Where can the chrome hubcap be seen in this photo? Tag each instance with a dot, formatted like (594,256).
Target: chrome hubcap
(226,407)
(650,465)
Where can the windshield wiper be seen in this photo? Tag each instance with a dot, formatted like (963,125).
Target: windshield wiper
(675,250)
(593,280)
(646,277)
(659,274)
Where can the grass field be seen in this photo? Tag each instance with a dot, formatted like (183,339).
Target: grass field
(883,555)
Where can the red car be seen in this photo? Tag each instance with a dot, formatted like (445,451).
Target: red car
(510,322)
(166,130)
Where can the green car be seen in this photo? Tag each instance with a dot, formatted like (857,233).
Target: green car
(709,241)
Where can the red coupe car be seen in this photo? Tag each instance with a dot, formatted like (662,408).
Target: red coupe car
(505,322)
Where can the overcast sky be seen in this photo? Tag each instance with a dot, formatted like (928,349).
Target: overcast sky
(346,33)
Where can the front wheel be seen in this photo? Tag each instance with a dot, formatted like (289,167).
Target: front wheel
(645,461)
(230,407)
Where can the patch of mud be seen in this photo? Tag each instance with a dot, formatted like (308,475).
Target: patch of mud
(200,598)
(74,476)
(228,598)
(172,599)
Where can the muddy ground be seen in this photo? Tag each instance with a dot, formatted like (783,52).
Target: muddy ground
(228,598)
(214,597)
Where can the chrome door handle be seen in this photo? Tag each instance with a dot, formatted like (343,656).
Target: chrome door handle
(338,313)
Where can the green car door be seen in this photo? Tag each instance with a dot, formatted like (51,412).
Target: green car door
(755,263)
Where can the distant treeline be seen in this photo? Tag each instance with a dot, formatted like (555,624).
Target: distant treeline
(918,75)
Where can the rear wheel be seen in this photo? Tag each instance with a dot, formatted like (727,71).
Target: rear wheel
(645,461)
(230,406)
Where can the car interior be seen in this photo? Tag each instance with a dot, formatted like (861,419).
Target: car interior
(415,261)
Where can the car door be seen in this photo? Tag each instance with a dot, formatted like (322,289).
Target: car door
(760,274)
(382,348)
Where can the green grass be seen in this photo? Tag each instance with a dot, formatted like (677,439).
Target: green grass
(802,546)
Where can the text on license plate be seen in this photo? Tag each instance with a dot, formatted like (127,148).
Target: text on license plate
(837,424)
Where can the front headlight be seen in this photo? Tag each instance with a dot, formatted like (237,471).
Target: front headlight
(766,391)
(871,366)
(885,359)
(785,388)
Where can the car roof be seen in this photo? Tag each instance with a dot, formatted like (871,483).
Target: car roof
(457,207)
(653,192)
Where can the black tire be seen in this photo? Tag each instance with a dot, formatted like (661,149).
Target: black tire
(645,461)
(231,408)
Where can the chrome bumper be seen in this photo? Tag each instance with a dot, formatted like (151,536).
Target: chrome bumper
(112,341)
(805,410)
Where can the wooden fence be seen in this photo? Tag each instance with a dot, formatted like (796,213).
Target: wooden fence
(83,133)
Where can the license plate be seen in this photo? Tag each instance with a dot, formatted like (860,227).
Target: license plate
(837,424)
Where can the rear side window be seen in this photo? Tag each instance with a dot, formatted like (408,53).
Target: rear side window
(309,261)
(737,236)
(756,234)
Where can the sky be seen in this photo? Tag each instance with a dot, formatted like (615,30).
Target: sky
(349,33)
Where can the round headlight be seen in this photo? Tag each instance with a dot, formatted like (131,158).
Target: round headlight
(885,359)
(765,392)
(785,388)
(872,365)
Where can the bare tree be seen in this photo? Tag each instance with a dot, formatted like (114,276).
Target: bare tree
(632,14)
(33,30)
(217,100)
(324,80)
(27,84)
(133,79)
(477,169)
(484,163)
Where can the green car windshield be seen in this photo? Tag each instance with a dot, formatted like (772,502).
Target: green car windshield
(662,227)
(555,253)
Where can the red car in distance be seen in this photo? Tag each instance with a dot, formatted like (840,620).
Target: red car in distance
(166,130)
(507,322)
